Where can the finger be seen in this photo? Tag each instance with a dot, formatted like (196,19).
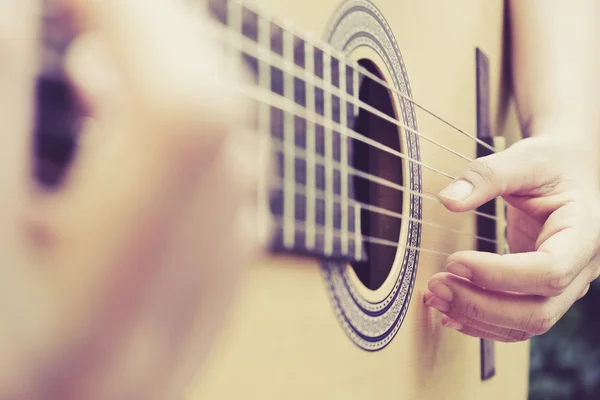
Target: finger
(530,273)
(454,319)
(24,305)
(570,237)
(190,291)
(190,298)
(179,86)
(18,70)
(528,313)
(565,247)
(488,177)
(150,159)
(477,333)
(93,74)
(201,314)
(157,48)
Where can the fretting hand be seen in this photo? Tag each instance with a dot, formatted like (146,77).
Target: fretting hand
(118,281)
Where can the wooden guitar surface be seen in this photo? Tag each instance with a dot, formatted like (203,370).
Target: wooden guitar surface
(294,332)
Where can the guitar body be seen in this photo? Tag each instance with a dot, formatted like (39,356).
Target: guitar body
(301,328)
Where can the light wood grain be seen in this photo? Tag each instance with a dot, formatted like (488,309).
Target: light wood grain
(283,340)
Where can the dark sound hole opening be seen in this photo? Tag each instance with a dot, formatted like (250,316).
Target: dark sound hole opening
(380,163)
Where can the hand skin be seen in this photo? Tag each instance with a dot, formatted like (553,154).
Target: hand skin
(114,286)
(550,181)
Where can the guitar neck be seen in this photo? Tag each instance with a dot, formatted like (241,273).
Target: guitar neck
(306,100)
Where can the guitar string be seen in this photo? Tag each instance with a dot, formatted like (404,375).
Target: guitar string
(330,230)
(240,40)
(369,239)
(328,87)
(268,94)
(268,55)
(267,97)
(320,194)
(320,44)
(344,96)
(273,99)
(324,85)
(271,58)
(281,146)
(274,59)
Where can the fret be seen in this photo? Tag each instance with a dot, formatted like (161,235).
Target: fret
(351,112)
(235,21)
(289,208)
(311,149)
(358,243)
(348,105)
(329,189)
(272,79)
(264,109)
(356,93)
(272,40)
(282,204)
(344,167)
(234,17)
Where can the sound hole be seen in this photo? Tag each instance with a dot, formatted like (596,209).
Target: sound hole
(382,164)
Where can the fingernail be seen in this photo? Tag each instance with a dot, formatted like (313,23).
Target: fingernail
(457,191)
(459,270)
(440,290)
(453,325)
(438,304)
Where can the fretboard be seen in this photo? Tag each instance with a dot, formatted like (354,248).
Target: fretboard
(306,108)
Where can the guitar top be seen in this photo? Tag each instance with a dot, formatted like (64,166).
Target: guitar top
(371,108)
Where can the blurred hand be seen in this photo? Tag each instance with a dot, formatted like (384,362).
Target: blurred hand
(115,285)
(551,185)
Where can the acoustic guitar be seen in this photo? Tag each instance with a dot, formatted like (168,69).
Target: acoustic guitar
(370,109)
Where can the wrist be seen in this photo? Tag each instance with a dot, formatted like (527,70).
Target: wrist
(584,124)
(579,134)
(574,138)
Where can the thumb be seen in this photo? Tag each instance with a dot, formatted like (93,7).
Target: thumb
(488,177)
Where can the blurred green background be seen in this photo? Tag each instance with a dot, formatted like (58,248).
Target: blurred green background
(565,362)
